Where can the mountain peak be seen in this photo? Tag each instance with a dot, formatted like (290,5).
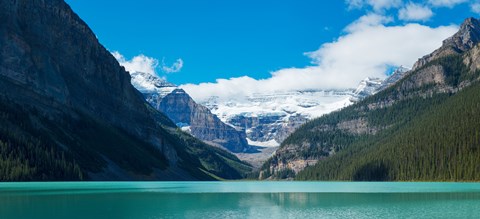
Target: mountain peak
(148,83)
(467,36)
(395,76)
(470,22)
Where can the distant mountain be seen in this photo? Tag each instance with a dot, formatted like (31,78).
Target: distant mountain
(269,119)
(423,127)
(263,119)
(370,86)
(398,74)
(69,112)
(367,87)
(187,114)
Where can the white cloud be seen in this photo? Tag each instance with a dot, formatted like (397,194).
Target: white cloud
(140,63)
(475,7)
(354,4)
(446,3)
(415,12)
(366,49)
(367,21)
(377,5)
(384,4)
(175,67)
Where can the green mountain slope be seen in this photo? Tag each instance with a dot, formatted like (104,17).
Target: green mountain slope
(441,142)
(424,127)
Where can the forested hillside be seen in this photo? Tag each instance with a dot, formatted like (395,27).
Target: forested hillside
(440,142)
(424,127)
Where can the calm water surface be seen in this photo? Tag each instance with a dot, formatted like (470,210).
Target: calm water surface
(141,200)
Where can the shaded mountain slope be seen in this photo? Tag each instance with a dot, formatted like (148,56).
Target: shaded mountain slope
(69,112)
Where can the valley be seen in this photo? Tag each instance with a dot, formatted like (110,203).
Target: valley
(251,127)
(72,110)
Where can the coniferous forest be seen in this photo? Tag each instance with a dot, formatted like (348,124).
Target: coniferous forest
(426,133)
(27,158)
(441,144)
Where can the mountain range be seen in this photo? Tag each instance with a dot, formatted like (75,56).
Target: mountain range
(261,120)
(269,118)
(70,111)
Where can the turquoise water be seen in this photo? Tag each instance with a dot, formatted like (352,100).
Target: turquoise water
(239,200)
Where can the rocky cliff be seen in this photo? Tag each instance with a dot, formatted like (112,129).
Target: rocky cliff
(187,114)
(78,101)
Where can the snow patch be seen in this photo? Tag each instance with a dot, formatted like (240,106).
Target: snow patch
(270,143)
(311,104)
(186,129)
(148,83)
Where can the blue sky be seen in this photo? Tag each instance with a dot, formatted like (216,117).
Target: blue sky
(193,42)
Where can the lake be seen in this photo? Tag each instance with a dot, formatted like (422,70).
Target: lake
(151,200)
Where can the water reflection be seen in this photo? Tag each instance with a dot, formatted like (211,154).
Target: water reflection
(241,205)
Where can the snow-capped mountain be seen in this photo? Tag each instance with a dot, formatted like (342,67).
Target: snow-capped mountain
(187,114)
(398,74)
(148,83)
(268,119)
(367,87)
(370,86)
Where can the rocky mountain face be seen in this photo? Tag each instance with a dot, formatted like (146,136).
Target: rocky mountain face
(76,101)
(389,135)
(187,114)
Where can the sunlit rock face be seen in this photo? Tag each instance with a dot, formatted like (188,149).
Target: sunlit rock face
(187,114)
